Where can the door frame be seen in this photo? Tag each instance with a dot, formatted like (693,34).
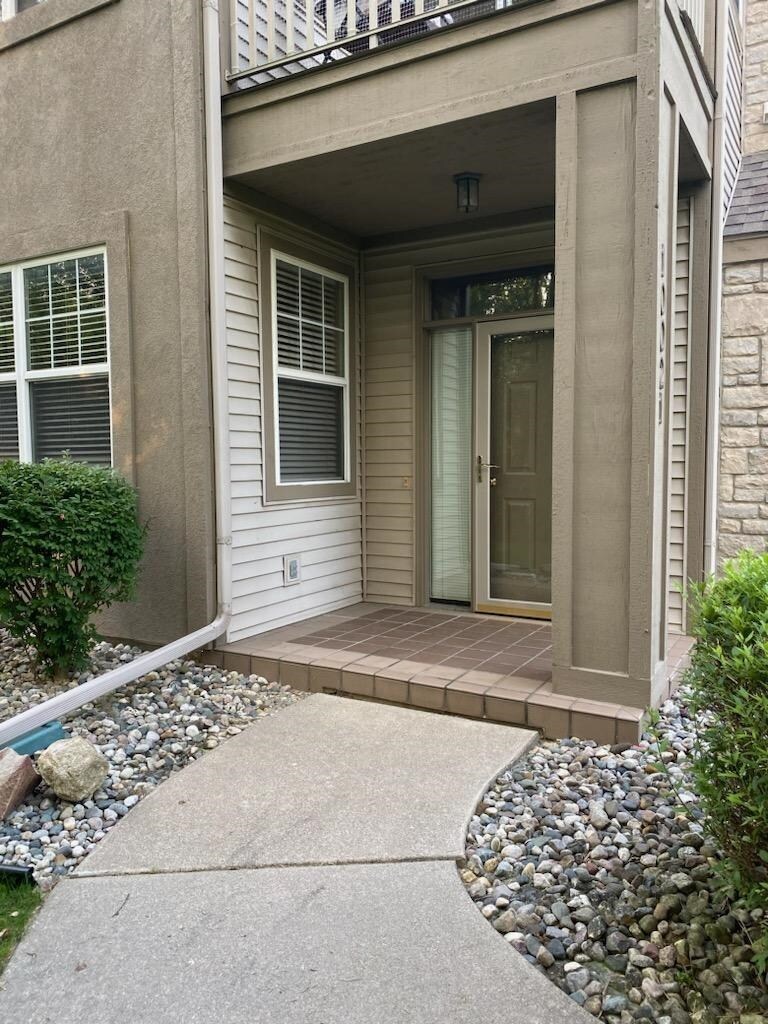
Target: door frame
(481,472)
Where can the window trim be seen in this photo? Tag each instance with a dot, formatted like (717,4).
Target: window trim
(44,17)
(309,376)
(270,248)
(22,377)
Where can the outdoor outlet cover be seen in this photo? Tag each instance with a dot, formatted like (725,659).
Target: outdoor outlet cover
(291,569)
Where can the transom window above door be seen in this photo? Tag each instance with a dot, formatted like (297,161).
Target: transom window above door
(496,293)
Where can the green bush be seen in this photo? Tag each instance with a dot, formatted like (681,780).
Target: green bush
(70,543)
(729,694)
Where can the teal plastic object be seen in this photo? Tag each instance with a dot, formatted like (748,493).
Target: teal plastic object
(38,739)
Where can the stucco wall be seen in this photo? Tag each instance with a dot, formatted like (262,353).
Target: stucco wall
(743,512)
(101,124)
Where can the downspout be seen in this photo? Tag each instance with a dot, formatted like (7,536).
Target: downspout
(711,473)
(65,703)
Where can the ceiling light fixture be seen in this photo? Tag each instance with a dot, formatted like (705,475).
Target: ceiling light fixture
(468,191)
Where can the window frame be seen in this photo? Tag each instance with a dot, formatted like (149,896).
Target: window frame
(42,18)
(22,377)
(272,248)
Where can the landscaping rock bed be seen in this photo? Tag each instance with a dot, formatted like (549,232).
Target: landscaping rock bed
(146,731)
(595,866)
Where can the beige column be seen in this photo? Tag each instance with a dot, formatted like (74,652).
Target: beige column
(609,453)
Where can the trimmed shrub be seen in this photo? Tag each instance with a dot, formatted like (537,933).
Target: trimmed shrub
(70,543)
(729,694)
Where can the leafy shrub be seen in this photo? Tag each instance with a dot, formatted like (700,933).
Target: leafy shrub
(70,543)
(729,694)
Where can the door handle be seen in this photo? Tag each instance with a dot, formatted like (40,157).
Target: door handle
(481,466)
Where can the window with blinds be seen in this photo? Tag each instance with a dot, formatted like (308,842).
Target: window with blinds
(54,362)
(311,372)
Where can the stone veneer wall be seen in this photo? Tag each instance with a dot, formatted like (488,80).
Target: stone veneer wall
(755,75)
(743,511)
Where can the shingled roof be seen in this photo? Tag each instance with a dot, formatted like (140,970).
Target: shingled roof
(749,208)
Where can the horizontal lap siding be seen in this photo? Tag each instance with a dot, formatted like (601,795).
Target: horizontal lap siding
(679,422)
(326,535)
(389,432)
(732,108)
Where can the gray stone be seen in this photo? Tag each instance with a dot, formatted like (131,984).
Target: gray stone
(17,779)
(577,979)
(73,768)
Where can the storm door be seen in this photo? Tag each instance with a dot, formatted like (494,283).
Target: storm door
(513,466)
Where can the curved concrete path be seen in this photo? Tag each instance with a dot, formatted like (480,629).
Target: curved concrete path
(303,873)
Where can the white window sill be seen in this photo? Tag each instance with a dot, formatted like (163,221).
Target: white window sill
(44,18)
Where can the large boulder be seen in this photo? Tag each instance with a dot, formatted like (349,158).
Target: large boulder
(73,768)
(17,779)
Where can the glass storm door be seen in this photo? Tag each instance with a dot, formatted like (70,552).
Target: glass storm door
(513,466)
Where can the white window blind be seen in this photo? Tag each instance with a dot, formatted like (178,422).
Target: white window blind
(451,443)
(311,372)
(54,361)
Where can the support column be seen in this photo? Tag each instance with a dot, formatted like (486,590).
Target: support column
(608,437)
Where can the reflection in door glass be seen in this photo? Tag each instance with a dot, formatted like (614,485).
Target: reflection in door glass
(451,432)
(520,528)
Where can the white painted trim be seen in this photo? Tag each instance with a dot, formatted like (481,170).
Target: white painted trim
(22,376)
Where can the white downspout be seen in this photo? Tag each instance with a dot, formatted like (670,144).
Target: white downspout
(712,474)
(65,703)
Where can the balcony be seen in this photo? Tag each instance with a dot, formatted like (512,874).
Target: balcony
(696,11)
(272,39)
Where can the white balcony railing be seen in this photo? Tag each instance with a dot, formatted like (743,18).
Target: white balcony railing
(273,38)
(696,11)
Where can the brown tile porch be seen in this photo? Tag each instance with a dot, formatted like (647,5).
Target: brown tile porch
(441,660)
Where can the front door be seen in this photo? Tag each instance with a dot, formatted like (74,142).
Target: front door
(513,466)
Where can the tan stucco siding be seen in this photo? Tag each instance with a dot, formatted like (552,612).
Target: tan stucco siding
(102,144)
(327,535)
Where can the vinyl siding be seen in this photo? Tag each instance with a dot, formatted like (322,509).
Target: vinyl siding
(394,407)
(327,535)
(732,107)
(679,423)
(389,433)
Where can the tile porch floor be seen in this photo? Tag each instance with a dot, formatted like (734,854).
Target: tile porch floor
(441,660)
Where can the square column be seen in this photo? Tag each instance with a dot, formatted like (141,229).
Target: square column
(609,403)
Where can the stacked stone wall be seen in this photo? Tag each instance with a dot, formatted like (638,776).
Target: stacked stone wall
(743,512)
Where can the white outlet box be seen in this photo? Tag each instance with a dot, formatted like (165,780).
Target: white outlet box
(291,570)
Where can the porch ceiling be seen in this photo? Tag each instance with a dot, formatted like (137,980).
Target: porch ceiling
(405,182)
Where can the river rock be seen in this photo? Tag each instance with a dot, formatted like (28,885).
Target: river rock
(73,768)
(17,779)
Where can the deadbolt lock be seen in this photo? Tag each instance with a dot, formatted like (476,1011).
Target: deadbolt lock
(492,481)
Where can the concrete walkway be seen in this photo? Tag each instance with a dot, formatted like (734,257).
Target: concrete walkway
(303,873)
